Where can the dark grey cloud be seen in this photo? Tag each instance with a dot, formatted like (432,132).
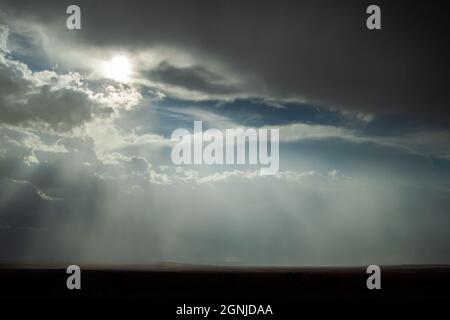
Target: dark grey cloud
(63,109)
(320,50)
(196,78)
(12,81)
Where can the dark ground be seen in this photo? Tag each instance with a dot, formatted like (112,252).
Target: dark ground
(165,287)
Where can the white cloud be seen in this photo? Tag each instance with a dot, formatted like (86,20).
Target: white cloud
(301,131)
(39,192)
(4,33)
(45,98)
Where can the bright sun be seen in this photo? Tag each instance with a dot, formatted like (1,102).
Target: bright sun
(118,68)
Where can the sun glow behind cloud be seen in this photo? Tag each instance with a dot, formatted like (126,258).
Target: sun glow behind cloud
(119,68)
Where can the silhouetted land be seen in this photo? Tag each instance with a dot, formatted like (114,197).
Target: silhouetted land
(170,285)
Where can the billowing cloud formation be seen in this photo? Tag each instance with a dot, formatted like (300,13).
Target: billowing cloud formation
(35,98)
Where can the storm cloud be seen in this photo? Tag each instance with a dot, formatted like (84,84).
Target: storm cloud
(314,50)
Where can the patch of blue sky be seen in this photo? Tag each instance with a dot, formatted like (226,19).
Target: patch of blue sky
(257,112)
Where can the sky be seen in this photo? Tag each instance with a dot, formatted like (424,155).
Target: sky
(86,118)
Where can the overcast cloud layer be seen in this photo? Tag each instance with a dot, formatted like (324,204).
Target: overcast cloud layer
(85,169)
